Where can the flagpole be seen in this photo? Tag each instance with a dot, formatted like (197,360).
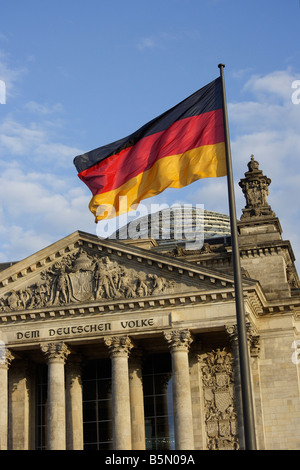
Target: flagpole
(247,402)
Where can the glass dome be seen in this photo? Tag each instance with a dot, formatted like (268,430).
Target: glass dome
(176,224)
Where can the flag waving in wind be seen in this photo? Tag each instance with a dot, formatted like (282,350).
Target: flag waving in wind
(178,147)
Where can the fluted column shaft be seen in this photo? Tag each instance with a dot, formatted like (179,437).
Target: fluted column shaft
(74,412)
(119,348)
(179,342)
(136,403)
(5,360)
(253,345)
(233,336)
(56,354)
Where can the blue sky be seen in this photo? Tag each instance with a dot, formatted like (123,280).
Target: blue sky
(79,75)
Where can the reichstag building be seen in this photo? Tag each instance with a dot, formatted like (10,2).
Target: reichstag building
(131,343)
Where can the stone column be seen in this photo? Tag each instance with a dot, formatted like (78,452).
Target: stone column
(6,358)
(136,403)
(56,354)
(119,348)
(233,337)
(21,415)
(254,350)
(253,345)
(179,342)
(74,412)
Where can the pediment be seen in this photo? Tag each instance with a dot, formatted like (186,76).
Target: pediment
(82,269)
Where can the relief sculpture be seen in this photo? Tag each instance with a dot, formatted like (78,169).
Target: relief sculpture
(218,391)
(82,277)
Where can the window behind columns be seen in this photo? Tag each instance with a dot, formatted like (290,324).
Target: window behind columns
(96,395)
(158,403)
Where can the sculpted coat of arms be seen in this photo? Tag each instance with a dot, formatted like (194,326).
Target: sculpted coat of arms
(218,387)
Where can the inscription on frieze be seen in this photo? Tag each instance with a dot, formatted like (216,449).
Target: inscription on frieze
(82,277)
(86,329)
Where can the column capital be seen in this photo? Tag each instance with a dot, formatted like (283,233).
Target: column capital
(56,351)
(6,356)
(253,340)
(118,345)
(232,332)
(178,340)
(253,337)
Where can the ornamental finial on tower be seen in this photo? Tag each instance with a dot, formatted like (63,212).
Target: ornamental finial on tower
(255,187)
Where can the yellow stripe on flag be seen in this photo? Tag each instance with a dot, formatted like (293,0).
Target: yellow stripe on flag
(174,171)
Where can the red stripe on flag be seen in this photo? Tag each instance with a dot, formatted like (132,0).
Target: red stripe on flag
(182,135)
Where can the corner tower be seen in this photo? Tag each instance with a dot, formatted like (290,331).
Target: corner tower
(264,254)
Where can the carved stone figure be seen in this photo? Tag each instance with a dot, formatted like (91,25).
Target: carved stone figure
(126,286)
(255,187)
(158,284)
(13,300)
(82,277)
(62,287)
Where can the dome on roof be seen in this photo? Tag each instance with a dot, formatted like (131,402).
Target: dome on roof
(176,224)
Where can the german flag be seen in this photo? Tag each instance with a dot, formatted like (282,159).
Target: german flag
(175,149)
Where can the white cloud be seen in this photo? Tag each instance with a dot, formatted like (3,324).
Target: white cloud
(268,126)
(158,40)
(37,208)
(43,109)
(37,204)
(9,74)
(35,142)
(274,85)
(58,153)
(146,43)
(18,139)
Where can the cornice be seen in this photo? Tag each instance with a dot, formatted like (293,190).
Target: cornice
(267,248)
(119,306)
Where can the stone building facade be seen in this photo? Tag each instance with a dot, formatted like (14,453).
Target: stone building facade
(110,344)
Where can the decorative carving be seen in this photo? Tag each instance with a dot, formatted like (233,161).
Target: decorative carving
(6,356)
(255,187)
(292,276)
(81,278)
(119,345)
(218,392)
(232,332)
(253,338)
(178,339)
(56,351)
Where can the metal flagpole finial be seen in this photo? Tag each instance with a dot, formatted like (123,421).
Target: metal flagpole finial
(221,65)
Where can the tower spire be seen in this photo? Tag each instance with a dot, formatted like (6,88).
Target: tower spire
(255,187)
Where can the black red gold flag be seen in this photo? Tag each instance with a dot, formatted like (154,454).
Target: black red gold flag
(182,145)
